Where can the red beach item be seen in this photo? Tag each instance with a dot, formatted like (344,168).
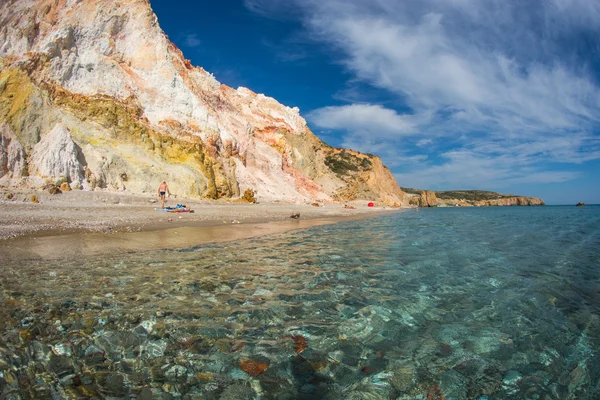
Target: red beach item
(371,204)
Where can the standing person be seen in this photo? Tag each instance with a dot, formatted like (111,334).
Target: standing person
(163,188)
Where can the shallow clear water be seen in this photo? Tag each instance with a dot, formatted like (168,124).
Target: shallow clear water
(454,303)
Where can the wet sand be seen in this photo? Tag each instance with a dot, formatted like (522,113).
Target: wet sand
(78,224)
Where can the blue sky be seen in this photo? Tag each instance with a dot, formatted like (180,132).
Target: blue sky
(499,95)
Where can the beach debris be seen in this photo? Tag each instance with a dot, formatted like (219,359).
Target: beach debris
(64,187)
(9,196)
(315,204)
(371,204)
(349,207)
(295,216)
(52,188)
(34,199)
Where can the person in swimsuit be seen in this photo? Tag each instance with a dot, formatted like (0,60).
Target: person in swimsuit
(163,189)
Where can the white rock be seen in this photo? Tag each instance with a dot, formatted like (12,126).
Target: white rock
(12,155)
(56,155)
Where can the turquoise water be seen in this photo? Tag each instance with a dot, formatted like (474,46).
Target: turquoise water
(454,303)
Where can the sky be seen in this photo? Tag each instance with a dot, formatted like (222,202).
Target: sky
(500,95)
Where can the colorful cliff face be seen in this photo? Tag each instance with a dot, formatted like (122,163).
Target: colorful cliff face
(128,111)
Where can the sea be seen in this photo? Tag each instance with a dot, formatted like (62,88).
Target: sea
(443,303)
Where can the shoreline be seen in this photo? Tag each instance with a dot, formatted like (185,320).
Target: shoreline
(76,224)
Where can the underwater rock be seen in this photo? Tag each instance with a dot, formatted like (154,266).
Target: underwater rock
(62,349)
(403,378)
(176,373)
(367,391)
(155,349)
(94,354)
(253,368)
(579,381)
(300,343)
(112,384)
(237,392)
(355,328)
(60,366)
(39,351)
(511,377)
(454,385)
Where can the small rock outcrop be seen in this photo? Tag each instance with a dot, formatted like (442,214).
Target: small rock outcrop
(580,204)
(428,199)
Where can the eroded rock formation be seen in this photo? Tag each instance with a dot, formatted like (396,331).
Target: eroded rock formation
(57,157)
(138,113)
(428,199)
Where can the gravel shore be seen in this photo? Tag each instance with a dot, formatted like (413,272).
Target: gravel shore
(114,214)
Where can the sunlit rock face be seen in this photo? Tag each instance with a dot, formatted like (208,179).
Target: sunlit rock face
(512,201)
(138,112)
(428,199)
(56,156)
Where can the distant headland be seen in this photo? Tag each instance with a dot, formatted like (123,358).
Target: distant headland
(467,198)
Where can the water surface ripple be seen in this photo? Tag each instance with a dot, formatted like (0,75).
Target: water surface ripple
(478,303)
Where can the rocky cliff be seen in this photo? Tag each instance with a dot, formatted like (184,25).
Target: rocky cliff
(467,198)
(93,92)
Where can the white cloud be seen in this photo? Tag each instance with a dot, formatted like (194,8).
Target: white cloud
(192,40)
(366,118)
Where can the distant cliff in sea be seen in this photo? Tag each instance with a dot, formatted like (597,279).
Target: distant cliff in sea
(467,198)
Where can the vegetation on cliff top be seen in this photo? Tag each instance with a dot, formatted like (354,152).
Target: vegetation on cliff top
(469,195)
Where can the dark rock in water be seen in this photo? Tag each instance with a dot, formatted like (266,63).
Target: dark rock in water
(112,384)
(580,204)
(237,392)
(94,355)
(61,366)
(145,394)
